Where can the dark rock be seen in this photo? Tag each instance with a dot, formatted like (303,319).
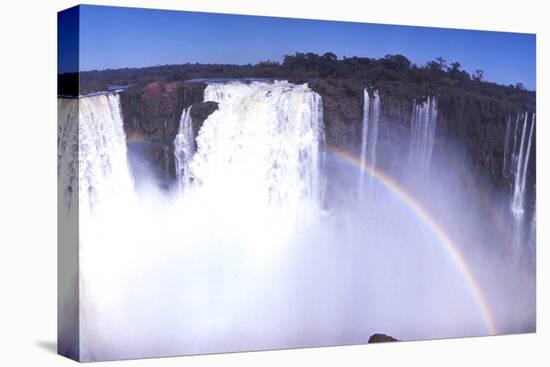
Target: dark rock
(342,111)
(152,113)
(381,338)
(473,120)
(200,112)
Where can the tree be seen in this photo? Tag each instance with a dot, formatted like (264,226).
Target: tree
(268,63)
(478,75)
(455,71)
(288,61)
(433,66)
(327,64)
(455,67)
(298,61)
(329,56)
(520,86)
(396,62)
(442,63)
(312,61)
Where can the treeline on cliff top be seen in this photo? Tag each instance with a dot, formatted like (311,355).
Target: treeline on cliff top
(303,66)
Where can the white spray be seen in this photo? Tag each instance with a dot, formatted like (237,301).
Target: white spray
(518,167)
(184,148)
(247,259)
(423,126)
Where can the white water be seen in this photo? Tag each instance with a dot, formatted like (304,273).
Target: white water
(67,150)
(423,126)
(94,174)
(506,146)
(103,166)
(263,146)
(516,164)
(369,139)
(184,148)
(98,143)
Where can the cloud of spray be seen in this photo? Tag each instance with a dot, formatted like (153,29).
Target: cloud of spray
(213,271)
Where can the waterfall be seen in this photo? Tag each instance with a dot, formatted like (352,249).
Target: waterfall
(165,151)
(184,147)
(423,125)
(247,245)
(364,136)
(506,146)
(94,187)
(532,238)
(521,160)
(369,138)
(516,166)
(92,150)
(67,219)
(262,145)
(67,151)
(103,164)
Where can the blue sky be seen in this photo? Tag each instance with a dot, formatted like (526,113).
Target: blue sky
(113,37)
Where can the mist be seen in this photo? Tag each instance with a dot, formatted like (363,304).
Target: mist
(272,239)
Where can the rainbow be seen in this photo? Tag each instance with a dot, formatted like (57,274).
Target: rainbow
(451,248)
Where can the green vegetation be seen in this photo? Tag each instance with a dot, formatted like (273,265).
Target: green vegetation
(309,66)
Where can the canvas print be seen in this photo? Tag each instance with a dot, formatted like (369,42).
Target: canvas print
(241,183)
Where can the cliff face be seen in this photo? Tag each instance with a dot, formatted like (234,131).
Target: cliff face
(473,121)
(342,111)
(151,121)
